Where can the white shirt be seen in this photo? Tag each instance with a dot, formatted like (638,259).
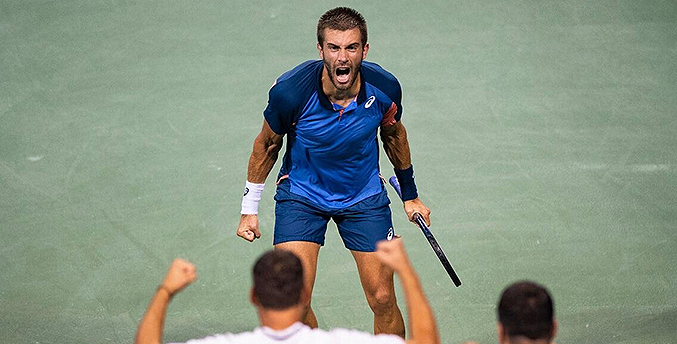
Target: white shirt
(299,333)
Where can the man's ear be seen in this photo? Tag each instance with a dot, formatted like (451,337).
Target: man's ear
(364,51)
(252,297)
(553,333)
(501,332)
(305,295)
(319,50)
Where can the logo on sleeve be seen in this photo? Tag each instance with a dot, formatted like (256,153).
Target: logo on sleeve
(391,234)
(369,102)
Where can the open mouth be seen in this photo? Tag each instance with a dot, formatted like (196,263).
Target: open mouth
(342,74)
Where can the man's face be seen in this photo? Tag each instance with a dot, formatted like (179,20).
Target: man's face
(342,53)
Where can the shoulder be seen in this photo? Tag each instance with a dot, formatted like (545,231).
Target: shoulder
(373,71)
(226,338)
(300,79)
(305,70)
(380,78)
(341,335)
(389,89)
(289,94)
(295,85)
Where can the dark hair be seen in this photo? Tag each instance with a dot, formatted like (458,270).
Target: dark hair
(526,309)
(342,19)
(278,279)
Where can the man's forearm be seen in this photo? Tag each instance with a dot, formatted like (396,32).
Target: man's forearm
(421,318)
(396,145)
(263,157)
(153,322)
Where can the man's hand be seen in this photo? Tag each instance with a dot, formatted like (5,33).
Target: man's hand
(416,206)
(248,229)
(392,254)
(422,322)
(180,275)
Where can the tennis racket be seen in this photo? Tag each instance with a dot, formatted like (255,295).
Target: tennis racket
(429,235)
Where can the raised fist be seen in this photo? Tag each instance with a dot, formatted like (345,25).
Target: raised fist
(180,274)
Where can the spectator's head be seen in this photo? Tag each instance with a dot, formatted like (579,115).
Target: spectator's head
(278,281)
(526,313)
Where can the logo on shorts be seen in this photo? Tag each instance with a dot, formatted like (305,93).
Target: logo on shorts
(369,102)
(246,191)
(391,234)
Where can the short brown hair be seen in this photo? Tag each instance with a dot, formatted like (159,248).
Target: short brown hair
(342,19)
(278,279)
(526,309)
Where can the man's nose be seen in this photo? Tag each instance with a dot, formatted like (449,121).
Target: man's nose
(343,55)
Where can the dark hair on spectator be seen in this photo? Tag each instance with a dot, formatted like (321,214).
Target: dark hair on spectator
(278,279)
(526,309)
(342,19)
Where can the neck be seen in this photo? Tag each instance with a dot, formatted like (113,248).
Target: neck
(279,319)
(525,340)
(340,97)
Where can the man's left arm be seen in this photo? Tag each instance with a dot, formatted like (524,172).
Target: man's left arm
(396,146)
(180,275)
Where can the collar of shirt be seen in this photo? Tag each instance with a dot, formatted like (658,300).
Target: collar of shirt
(283,334)
(351,106)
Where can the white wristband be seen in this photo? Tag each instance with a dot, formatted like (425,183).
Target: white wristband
(251,198)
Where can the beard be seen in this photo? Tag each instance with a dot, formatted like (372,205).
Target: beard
(336,73)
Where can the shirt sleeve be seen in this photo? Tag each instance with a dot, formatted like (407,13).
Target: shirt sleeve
(390,86)
(396,95)
(280,110)
(390,114)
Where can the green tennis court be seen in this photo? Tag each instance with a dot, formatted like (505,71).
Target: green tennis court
(544,135)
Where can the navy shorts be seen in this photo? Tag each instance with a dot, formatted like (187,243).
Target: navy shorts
(361,225)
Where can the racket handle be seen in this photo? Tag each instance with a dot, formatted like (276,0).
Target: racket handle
(429,235)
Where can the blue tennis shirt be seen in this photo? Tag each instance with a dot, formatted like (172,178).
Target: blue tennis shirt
(332,152)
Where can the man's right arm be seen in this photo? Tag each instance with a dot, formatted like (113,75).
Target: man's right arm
(421,318)
(264,154)
(267,145)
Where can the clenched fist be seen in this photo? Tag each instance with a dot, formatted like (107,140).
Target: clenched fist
(392,254)
(180,275)
(248,229)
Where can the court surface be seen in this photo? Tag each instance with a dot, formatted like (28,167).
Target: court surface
(543,135)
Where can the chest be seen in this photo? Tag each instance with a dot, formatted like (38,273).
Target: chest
(355,124)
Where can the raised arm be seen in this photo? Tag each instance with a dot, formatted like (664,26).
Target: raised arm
(421,319)
(180,275)
(396,146)
(267,145)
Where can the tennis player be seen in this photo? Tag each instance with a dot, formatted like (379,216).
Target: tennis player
(331,111)
(279,296)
